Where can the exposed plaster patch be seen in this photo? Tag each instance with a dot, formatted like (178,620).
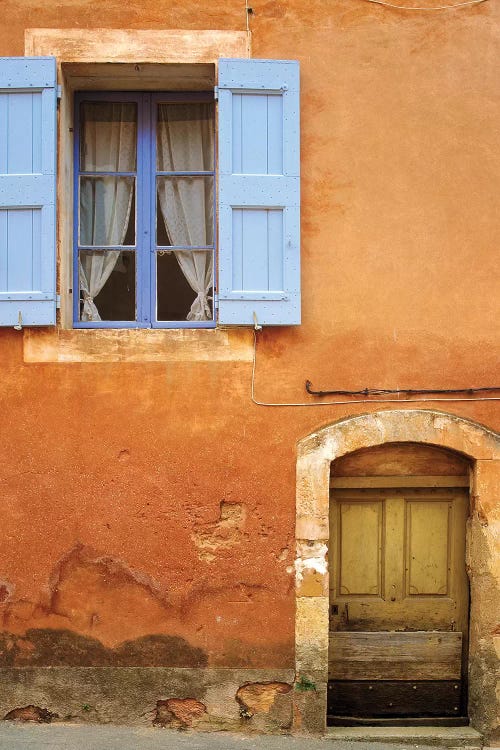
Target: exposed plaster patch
(179,713)
(31,714)
(311,556)
(259,697)
(222,534)
(6,591)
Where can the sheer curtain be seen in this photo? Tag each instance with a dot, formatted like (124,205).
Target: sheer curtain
(185,142)
(108,145)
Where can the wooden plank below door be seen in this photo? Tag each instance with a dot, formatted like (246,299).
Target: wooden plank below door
(394,698)
(420,655)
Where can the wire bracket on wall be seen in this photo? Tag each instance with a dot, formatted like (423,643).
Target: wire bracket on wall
(404,391)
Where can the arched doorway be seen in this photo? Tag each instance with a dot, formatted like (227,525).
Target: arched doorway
(316,452)
(399,591)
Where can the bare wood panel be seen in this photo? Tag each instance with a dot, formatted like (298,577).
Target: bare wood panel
(360,527)
(420,655)
(394,698)
(403,459)
(397,481)
(428,547)
(144,77)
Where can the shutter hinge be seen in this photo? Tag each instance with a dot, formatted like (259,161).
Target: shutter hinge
(59,91)
(58,301)
(216,93)
(216,300)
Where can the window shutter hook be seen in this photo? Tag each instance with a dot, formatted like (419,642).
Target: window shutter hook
(19,326)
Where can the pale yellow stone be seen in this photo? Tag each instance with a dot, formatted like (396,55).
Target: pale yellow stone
(312,583)
(312,527)
(130,45)
(134,345)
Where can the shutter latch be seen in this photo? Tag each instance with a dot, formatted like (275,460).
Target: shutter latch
(256,325)
(19,326)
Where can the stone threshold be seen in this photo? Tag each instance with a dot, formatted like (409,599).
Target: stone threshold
(449,737)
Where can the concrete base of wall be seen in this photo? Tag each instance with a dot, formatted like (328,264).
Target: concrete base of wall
(208,699)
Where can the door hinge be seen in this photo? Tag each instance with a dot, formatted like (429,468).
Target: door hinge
(216,93)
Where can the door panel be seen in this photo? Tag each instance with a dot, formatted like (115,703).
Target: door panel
(428,560)
(397,560)
(360,525)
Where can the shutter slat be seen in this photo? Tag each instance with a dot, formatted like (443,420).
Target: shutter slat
(259,192)
(28,101)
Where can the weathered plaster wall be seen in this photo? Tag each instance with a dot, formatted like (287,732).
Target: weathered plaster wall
(148,507)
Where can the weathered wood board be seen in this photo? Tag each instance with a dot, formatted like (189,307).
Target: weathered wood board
(394,698)
(421,655)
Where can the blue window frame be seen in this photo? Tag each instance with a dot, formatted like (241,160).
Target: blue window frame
(144,219)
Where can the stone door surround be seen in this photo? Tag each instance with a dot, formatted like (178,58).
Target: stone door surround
(314,456)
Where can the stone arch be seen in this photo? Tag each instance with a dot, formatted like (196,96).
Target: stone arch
(314,456)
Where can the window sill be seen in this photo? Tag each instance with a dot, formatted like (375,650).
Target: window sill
(137,345)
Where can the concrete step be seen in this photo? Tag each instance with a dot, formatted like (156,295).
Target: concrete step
(450,737)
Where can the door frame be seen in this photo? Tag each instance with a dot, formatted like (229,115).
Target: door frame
(314,456)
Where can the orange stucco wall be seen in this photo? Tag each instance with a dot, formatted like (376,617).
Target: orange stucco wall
(154,498)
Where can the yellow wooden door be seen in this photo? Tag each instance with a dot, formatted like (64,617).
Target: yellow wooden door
(399,592)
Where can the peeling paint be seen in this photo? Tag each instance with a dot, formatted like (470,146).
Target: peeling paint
(226,532)
(179,713)
(259,697)
(31,713)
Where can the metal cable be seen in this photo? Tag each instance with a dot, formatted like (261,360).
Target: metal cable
(355,401)
(437,7)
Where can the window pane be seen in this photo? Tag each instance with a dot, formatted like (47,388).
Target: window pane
(107,285)
(186,211)
(107,210)
(185,137)
(184,285)
(108,140)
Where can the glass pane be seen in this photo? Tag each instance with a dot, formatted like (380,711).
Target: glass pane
(108,141)
(185,214)
(107,285)
(185,137)
(107,210)
(179,274)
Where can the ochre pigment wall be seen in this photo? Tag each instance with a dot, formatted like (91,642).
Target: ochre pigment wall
(148,507)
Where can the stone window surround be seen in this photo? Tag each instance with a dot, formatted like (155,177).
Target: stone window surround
(314,456)
(116,49)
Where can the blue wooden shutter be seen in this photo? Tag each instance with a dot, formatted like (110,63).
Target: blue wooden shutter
(259,190)
(28,102)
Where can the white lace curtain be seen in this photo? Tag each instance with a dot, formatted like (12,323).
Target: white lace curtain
(185,142)
(109,140)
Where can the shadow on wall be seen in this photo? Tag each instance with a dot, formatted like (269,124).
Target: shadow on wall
(39,647)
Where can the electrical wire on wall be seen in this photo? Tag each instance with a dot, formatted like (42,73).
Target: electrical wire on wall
(375,391)
(417,7)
